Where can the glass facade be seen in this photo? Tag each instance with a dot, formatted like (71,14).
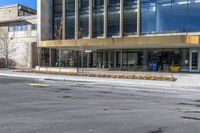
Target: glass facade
(157,17)
(83,18)
(57,15)
(70,19)
(170,16)
(113,17)
(130,17)
(98,18)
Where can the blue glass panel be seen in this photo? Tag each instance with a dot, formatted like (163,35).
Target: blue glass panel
(83,18)
(130,17)
(57,15)
(70,19)
(113,17)
(98,17)
(148,16)
(179,16)
(194,16)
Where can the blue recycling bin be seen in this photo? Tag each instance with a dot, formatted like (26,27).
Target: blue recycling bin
(154,67)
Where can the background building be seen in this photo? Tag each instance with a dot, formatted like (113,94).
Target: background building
(121,34)
(20,24)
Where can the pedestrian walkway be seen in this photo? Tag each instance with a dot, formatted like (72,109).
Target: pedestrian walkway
(184,80)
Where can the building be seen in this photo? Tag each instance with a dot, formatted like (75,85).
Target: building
(121,34)
(19,23)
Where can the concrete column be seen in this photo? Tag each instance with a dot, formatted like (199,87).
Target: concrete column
(109,59)
(138,17)
(63,19)
(115,59)
(76,19)
(90,18)
(121,25)
(88,60)
(50,57)
(190,61)
(145,59)
(104,59)
(105,18)
(121,60)
(39,56)
(183,58)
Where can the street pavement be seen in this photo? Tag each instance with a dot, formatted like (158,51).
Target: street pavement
(45,106)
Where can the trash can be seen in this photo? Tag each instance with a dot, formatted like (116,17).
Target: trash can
(154,67)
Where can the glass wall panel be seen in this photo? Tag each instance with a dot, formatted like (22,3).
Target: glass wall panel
(170,16)
(179,16)
(70,19)
(57,15)
(194,16)
(98,19)
(113,17)
(148,15)
(130,17)
(83,18)
(164,16)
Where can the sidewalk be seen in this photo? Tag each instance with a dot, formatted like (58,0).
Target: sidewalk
(184,80)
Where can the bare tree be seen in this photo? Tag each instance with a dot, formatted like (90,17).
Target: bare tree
(7,47)
(58,37)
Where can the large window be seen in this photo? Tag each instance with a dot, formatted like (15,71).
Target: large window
(148,10)
(130,17)
(194,16)
(83,18)
(70,19)
(34,27)
(17,28)
(170,16)
(57,15)
(98,10)
(113,17)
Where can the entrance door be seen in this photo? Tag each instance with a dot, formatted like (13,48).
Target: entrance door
(194,63)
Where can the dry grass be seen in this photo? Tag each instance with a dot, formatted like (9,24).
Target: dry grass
(119,76)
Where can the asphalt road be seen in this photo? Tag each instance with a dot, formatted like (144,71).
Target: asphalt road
(89,107)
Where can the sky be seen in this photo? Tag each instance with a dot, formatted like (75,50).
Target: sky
(29,3)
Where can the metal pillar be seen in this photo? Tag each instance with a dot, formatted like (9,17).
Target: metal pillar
(145,59)
(109,62)
(90,18)
(39,56)
(138,17)
(121,60)
(82,60)
(121,27)
(104,58)
(88,60)
(190,61)
(63,19)
(115,59)
(76,19)
(105,18)
(50,57)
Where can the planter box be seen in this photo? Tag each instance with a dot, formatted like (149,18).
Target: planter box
(56,69)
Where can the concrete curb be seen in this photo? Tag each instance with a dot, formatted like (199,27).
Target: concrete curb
(141,83)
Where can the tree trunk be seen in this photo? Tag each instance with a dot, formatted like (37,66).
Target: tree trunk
(6,62)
